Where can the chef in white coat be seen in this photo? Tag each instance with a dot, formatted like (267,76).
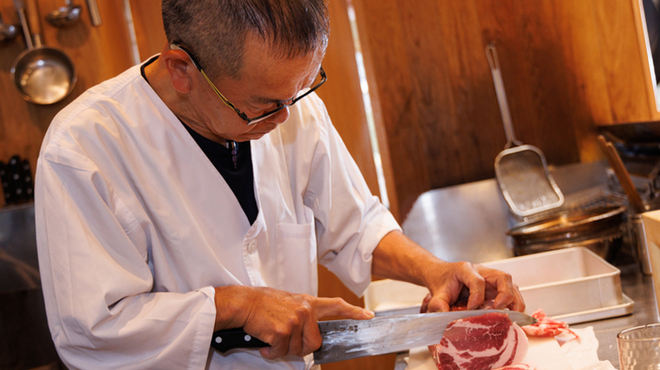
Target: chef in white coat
(198,191)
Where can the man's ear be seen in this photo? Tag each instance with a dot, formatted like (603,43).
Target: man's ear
(179,66)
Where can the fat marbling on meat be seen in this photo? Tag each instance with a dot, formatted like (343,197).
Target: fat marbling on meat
(487,342)
(484,342)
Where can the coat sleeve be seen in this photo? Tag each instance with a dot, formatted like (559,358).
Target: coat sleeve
(97,283)
(350,221)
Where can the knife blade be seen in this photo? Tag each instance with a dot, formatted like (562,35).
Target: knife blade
(348,339)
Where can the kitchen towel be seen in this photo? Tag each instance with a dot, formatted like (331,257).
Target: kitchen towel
(582,354)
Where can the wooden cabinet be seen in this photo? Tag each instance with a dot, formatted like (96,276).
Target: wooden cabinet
(606,45)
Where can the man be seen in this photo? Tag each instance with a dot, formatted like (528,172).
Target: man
(190,194)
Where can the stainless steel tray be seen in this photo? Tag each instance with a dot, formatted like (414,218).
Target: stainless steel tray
(625,308)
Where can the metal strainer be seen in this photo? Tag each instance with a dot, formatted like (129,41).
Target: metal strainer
(521,170)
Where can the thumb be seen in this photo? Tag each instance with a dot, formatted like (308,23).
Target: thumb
(338,307)
(438,304)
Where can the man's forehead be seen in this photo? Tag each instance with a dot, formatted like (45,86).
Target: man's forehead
(278,80)
(262,54)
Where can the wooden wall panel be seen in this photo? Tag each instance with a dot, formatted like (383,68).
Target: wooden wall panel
(97,52)
(148,23)
(342,94)
(567,66)
(620,52)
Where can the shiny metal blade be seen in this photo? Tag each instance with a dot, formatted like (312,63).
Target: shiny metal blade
(348,339)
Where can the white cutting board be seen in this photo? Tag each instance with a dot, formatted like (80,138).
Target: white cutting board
(544,353)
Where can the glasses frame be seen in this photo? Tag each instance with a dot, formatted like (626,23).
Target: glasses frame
(243,116)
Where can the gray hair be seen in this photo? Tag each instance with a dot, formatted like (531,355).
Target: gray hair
(215,30)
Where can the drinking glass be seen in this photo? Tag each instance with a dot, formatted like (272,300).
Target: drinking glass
(639,347)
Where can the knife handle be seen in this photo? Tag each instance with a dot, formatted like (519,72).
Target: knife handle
(224,340)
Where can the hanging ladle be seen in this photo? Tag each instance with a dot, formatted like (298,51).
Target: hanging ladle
(8,32)
(65,16)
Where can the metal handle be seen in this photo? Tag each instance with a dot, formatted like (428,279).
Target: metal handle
(491,54)
(20,9)
(622,174)
(224,340)
(33,20)
(94,13)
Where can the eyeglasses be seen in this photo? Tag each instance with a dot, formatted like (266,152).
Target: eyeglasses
(251,121)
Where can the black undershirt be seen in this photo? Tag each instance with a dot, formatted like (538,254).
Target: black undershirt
(238,175)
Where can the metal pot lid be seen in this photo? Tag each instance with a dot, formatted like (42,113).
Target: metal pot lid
(569,224)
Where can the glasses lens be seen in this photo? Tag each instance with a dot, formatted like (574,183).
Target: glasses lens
(318,81)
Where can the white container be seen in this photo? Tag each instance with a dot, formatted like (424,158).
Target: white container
(651,221)
(572,284)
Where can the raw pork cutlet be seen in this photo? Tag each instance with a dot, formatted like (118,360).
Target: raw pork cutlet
(484,342)
(549,327)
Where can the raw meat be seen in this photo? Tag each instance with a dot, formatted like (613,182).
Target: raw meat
(548,327)
(517,367)
(484,342)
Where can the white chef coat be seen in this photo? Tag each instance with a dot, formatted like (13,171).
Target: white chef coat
(135,227)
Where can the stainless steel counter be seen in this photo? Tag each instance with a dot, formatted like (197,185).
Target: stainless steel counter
(640,289)
(469,223)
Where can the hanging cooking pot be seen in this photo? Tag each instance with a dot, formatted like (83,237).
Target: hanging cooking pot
(42,75)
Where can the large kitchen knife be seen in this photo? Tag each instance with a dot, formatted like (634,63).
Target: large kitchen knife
(348,339)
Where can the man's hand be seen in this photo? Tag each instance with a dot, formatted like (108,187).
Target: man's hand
(398,257)
(286,321)
(454,280)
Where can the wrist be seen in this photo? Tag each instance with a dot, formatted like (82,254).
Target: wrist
(232,306)
(430,270)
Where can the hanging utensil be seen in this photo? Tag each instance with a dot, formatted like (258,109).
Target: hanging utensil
(94,13)
(65,16)
(8,32)
(521,170)
(622,175)
(42,75)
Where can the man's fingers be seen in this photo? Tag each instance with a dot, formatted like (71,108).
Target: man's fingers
(303,337)
(518,303)
(476,284)
(438,304)
(278,347)
(296,342)
(501,285)
(338,307)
